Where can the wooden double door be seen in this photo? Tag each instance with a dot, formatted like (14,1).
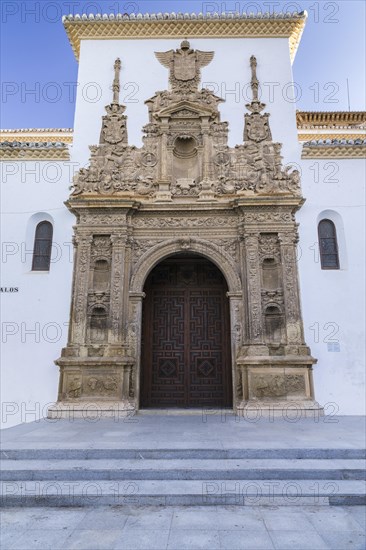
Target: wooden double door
(186,360)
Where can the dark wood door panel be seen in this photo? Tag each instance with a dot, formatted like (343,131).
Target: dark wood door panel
(207,358)
(185,351)
(168,350)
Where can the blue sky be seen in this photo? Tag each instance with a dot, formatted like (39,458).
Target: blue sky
(39,71)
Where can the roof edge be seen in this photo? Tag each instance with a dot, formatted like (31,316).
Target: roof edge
(314,119)
(182,25)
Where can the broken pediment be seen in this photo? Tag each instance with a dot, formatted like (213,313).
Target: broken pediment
(185,110)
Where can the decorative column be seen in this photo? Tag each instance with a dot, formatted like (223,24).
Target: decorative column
(206,194)
(117,287)
(237,334)
(134,341)
(82,243)
(205,128)
(256,344)
(164,194)
(128,254)
(294,325)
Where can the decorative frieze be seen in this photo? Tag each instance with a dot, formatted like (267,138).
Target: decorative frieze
(186,221)
(266,214)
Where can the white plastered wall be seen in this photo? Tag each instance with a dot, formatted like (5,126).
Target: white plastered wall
(333,301)
(34,320)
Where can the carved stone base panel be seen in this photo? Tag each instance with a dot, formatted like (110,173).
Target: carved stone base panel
(275,387)
(279,384)
(95,381)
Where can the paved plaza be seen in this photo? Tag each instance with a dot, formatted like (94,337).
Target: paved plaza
(206,429)
(188,439)
(183,528)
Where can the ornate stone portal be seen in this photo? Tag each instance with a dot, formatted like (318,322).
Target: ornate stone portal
(185,191)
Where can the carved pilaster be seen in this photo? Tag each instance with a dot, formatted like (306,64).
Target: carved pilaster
(163,193)
(128,258)
(206,149)
(254,288)
(163,155)
(80,296)
(242,262)
(117,284)
(134,340)
(206,193)
(237,333)
(294,327)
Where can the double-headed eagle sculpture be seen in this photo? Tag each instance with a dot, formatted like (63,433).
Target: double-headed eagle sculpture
(184,64)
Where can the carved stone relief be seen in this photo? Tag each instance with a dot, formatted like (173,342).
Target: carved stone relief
(74,387)
(101,247)
(101,385)
(277,385)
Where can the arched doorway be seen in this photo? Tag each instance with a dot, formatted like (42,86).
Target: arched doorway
(186,360)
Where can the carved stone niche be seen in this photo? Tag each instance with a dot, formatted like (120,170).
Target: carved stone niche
(272,292)
(98,324)
(187,170)
(274,325)
(101,275)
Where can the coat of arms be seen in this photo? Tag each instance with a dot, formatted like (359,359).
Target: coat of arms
(184,63)
(113,129)
(257,127)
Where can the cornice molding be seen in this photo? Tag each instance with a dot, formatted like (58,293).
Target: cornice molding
(111,27)
(332,135)
(330,119)
(26,153)
(333,151)
(38,135)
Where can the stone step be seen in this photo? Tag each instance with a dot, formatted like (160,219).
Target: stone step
(177,492)
(183,469)
(176,453)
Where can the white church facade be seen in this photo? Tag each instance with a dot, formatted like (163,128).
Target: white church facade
(194,241)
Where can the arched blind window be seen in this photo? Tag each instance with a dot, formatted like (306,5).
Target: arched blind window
(328,246)
(42,247)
